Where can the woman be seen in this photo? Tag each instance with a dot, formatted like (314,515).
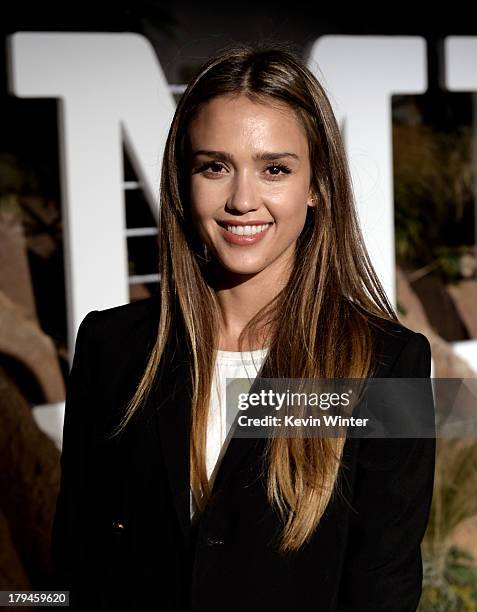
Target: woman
(261,262)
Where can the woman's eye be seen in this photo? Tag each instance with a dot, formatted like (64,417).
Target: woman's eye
(214,167)
(276,169)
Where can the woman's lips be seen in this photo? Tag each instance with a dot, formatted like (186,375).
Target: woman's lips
(243,240)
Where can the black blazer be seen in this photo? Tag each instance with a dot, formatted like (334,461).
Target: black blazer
(122,537)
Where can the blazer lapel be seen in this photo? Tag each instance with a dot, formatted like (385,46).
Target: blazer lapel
(238,449)
(172,402)
(172,399)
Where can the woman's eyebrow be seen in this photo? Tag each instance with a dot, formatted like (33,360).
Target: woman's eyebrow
(265,156)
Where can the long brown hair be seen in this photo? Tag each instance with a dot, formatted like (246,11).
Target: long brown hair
(318,324)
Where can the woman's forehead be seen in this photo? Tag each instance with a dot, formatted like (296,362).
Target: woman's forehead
(234,119)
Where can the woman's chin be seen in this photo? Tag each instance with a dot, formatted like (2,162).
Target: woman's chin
(241,267)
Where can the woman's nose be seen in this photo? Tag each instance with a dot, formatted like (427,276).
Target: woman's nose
(243,196)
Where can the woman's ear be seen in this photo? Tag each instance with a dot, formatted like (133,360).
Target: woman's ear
(312,200)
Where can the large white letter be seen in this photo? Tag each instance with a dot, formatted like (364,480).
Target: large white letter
(461,75)
(110,87)
(359,74)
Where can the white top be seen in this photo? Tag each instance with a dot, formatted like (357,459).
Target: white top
(229,364)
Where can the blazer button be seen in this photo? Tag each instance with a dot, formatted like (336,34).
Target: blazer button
(117,526)
(215,541)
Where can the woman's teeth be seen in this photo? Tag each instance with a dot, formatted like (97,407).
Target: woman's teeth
(247,230)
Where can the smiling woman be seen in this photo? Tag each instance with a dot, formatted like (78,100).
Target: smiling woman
(238,184)
(264,274)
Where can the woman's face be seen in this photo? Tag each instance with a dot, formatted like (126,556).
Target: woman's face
(249,182)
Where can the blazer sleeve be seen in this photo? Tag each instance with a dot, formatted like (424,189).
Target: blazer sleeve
(391,504)
(66,540)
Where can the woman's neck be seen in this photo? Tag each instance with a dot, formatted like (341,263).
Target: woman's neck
(240,299)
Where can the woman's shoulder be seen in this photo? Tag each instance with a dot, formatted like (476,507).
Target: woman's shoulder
(402,350)
(395,343)
(120,333)
(125,315)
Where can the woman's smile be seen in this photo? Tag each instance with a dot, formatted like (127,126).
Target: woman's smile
(243,234)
